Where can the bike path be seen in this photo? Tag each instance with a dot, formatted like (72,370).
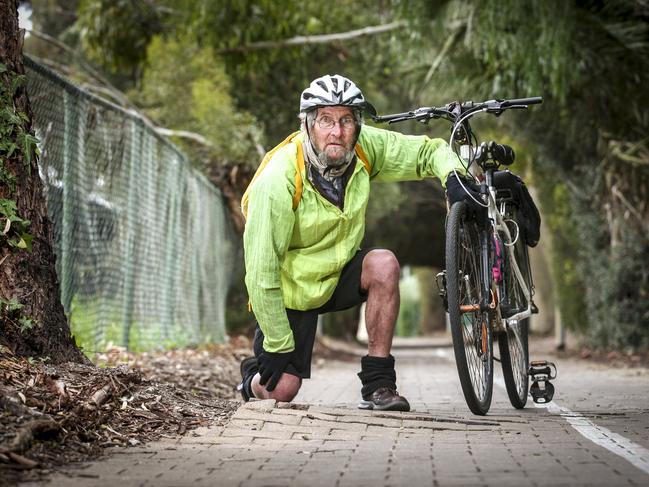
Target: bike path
(324,440)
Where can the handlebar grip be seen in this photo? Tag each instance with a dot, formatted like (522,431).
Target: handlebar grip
(535,100)
(392,116)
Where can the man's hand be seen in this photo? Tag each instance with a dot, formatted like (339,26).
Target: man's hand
(271,367)
(455,192)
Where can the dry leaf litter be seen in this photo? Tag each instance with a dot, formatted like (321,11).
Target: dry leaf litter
(52,415)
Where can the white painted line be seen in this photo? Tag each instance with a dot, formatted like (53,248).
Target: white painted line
(635,454)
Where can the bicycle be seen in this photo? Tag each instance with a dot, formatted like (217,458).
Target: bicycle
(487,285)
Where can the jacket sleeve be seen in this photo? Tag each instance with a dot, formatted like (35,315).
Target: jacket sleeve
(398,157)
(265,240)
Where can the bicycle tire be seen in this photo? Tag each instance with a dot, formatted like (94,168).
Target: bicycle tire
(471,330)
(514,359)
(513,342)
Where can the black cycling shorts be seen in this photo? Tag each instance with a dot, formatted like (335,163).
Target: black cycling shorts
(347,294)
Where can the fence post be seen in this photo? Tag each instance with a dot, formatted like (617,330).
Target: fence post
(128,255)
(69,154)
(172,178)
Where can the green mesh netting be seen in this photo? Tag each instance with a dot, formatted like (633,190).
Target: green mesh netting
(144,247)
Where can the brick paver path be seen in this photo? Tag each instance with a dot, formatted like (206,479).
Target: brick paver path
(324,440)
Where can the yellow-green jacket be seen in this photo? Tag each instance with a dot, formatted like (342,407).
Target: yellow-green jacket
(294,258)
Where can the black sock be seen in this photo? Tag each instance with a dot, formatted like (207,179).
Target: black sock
(377,372)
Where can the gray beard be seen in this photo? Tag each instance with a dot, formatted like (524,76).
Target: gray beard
(327,167)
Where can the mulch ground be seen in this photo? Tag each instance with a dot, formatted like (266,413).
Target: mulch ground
(51,415)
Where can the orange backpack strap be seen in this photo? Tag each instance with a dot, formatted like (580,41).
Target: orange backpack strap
(363,157)
(298,177)
(262,166)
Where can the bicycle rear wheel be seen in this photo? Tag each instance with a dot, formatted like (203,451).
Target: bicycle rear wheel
(470,327)
(513,342)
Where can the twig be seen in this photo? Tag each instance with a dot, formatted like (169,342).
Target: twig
(114,432)
(616,192)
(100,396)
(19,459)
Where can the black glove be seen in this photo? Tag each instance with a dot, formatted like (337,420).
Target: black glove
(271,367)
(455,192)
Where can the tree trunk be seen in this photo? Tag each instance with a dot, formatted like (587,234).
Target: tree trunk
(39,328)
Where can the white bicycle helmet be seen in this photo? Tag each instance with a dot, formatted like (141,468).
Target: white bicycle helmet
(333,90)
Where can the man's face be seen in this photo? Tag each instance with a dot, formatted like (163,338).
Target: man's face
(337,141)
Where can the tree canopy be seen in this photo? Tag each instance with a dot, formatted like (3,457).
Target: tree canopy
(224,69)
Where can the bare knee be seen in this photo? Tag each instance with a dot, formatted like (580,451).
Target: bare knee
(380,268)
(286,389)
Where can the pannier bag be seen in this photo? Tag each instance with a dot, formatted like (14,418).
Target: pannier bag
(508,185)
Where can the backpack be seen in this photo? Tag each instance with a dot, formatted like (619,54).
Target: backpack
(299,163)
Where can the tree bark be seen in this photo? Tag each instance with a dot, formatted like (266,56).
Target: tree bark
(29,277)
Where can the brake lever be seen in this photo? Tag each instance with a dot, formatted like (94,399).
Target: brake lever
(421,117)
(400,119)
(498,111)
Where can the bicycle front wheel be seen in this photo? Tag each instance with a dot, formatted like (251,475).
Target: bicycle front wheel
(513,342)
(513,345)
(470,326)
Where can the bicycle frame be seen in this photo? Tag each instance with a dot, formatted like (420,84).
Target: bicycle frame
(498,224)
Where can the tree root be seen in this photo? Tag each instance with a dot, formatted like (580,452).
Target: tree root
(35,429)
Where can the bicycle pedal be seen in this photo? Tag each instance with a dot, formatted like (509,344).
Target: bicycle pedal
(541,372)
(440,280)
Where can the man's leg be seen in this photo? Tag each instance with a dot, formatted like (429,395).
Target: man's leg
(286,389)
(303,324)
(380,280)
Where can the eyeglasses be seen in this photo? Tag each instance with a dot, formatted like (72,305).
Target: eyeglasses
(328,123)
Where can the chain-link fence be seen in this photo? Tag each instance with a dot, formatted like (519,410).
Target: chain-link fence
(144,247)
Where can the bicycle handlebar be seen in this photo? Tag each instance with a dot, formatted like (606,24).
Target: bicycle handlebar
(450,111)
(423,113)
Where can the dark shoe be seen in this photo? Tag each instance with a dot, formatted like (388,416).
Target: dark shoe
(385,399)
(248,368)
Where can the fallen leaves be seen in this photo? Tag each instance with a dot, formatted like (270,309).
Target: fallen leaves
(51,415)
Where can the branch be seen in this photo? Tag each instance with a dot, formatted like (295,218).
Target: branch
(316,39)
(438,60)
(450,41)
(184,134)
(630,152)
(632,209)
